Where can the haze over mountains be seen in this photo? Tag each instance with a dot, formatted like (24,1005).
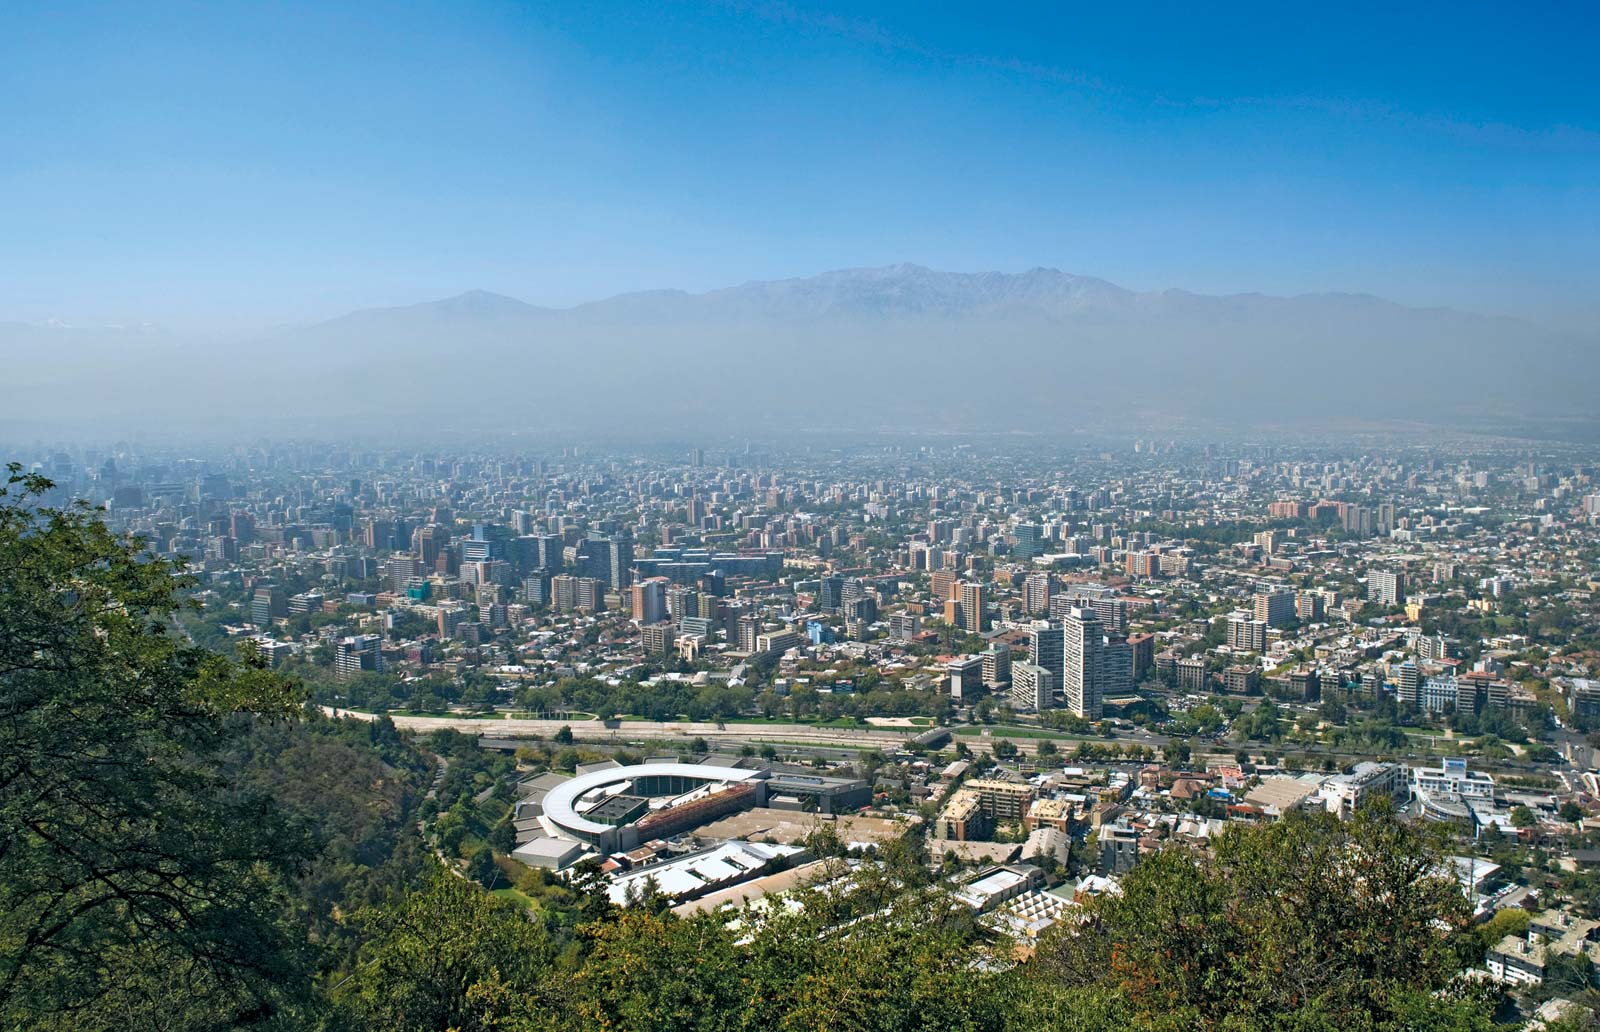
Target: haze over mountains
(898,347)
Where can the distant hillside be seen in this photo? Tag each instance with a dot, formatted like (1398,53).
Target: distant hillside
(898,346)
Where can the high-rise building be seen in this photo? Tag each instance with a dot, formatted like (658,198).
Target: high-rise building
(564,591)
(1386,588)
(267,603)
(619,573)
(1033,688)
(355,654)
(650,600)
(242,528)
(426,541)
(1144,654)
(830,592)
(905,626)
(1407,684)
(591,594)
(973,614)
(657,638)
(966,677)
(997,665)
(748,631)
(1356,520)
(1036,594)
(1029,544)
(1246,634)
(1081,682)
(1116,668)
(401,569)
(1112,611)
(536,589)
(682,601)
(1047,648)
(549,552)
(1274,606)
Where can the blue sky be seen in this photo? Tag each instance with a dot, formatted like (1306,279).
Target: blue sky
(249,163)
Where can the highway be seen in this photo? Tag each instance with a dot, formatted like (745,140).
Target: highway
(618,732)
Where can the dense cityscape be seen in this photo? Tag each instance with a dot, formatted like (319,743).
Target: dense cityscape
(698,679)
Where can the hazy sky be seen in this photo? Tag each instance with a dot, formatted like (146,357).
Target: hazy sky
(258,162)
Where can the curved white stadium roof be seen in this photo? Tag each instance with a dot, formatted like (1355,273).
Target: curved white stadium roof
(558,803)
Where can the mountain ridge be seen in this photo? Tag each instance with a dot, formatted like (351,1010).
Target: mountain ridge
(898,345)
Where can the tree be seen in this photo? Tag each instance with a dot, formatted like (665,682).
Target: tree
(1522,817)
(564,735)
(1571,812)
(1339,925)
(449,956)
(481,867)
(134,881)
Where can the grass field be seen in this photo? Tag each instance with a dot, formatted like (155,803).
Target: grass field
(514,894)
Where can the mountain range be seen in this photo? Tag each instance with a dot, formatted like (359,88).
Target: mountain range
(901,347)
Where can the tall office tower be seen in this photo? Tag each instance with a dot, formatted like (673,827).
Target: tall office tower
(830,593)
(1030,544)
(1386,518)
(1274,606)
(1386,588)
(650,600)
(1036,594)
(1081,678)
(426,541)
(1047,648)
(591,557)
(522,521)
(378,534)
(619,573)
(242,528)
(974,618)
(549,552)
(1116,665)
(268,603)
